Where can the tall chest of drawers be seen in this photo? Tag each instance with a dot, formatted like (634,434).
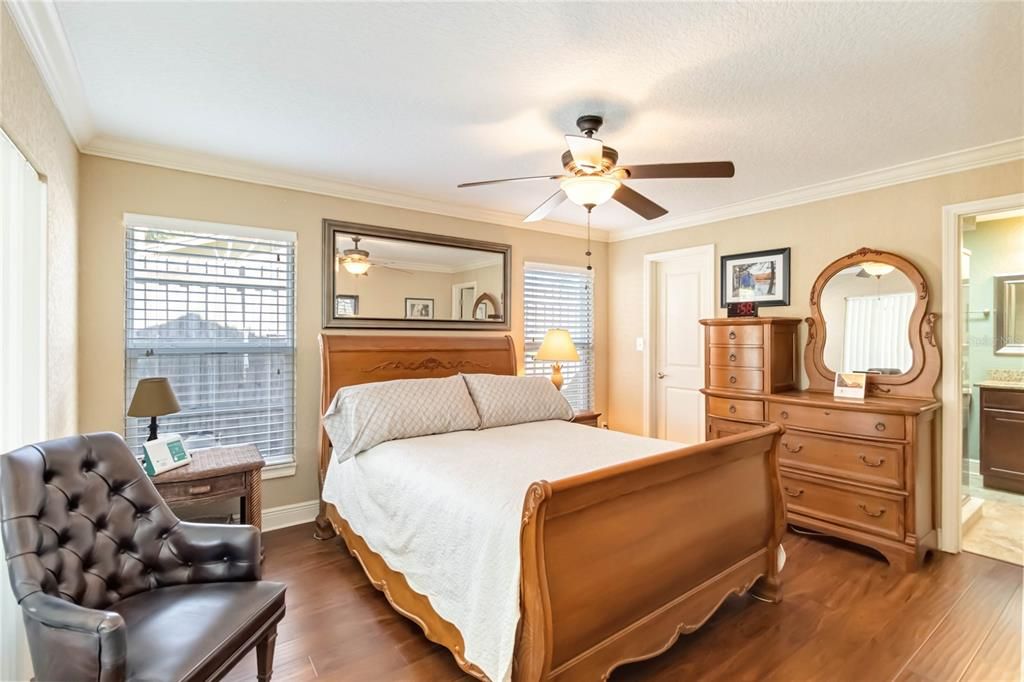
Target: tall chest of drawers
(858,470)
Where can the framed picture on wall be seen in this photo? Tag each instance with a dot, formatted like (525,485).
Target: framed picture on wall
(419,308)
(759,276)
(346,305)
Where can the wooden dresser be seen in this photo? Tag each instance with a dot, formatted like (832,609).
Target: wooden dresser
(859,470)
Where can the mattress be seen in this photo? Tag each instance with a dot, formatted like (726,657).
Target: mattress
(445,511)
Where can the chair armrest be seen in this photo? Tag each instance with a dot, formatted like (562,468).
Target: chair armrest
(219,552)
(71,642)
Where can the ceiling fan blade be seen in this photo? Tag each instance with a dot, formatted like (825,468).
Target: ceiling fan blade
(638,203)
(586,151)
(494,182)
(706,169)
(547,207)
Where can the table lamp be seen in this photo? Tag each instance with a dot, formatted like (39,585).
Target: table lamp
(153,398)
(558,347)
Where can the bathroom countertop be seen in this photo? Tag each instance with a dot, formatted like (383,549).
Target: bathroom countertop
(1000,384)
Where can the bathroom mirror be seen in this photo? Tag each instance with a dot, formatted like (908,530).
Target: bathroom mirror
(866,309)
(376,277)
(1009,314)
(869,313)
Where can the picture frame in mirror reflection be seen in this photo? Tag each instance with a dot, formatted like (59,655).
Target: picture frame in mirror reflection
(381,277)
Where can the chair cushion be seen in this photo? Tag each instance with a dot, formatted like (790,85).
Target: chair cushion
(187,632)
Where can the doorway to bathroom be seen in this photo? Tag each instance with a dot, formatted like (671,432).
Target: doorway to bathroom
(989,353)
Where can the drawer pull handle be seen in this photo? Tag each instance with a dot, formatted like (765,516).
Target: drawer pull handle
(784,414)
(879,426)
(732,357)
(794,493)
(864,508)
(199,489)
(732,380)
(732,409)
(795,450)
(732,335)
(827,413)
(867,463)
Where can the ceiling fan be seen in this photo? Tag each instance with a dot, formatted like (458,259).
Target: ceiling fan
(592,175)
(356,261)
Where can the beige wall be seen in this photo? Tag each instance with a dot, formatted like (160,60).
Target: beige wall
(111,188)
(30,119)
(383,291)
(903,218)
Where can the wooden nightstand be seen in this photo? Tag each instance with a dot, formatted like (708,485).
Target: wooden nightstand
(215,474)
(587,418)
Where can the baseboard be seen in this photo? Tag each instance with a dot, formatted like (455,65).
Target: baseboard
(290,515)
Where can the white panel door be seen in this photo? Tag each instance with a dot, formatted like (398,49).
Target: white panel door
(682,296)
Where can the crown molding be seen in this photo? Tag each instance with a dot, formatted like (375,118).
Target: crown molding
(203,164)
(944,164)
(41,29)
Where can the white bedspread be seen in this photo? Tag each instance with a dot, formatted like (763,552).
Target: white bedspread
(445,511)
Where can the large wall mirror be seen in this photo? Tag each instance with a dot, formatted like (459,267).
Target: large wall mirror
(1009,312)
(377,277)
(869,313)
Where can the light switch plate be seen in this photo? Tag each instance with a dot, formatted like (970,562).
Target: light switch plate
(640,343)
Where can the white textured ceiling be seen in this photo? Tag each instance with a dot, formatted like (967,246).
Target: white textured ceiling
(417,97)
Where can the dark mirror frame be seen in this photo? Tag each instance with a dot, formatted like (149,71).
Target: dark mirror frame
(333,227)
(1000,327)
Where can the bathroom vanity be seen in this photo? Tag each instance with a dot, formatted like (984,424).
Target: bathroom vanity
(1002,435)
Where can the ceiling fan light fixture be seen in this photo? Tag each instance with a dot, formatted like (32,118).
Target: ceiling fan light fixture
(590,190)
(355,266)
(877,269)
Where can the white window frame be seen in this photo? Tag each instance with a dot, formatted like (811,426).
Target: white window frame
(531,347)
(281,465)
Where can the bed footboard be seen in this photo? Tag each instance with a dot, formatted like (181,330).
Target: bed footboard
(618,563)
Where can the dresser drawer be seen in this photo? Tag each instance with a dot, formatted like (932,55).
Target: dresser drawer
(231,485)
(734,408)
(738,378)
(862,460)
(844,505)
(838,420)
(733,356)
(1001,399)
(736,335)
(720,428)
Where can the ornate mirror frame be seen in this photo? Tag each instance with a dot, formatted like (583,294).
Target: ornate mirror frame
(333,227)
(919,380)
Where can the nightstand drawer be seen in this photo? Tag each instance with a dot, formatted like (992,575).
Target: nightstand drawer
(230,485)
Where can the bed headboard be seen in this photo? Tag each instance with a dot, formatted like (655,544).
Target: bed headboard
(347,360)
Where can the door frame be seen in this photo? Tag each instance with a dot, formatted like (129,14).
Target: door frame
(650,320)
(457,290)
(951,463)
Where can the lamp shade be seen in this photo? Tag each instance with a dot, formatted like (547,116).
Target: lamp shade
(153,397)
(590,190)
(558,346)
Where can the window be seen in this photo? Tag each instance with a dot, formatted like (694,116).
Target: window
(561,297)
(212,308)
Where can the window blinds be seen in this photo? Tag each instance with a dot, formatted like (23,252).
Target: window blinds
(215,314)
(562,298)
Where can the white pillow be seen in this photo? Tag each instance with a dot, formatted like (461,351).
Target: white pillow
(504,400)
(365,415)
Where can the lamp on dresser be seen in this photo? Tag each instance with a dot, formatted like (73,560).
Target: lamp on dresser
(861,470)
(557,347)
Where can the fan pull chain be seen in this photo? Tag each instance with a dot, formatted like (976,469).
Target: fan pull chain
(589,209)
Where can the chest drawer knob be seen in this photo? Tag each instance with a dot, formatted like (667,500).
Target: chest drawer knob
(827,413)
(732,334)
(868,463)
(879,426)
(784,414)
(732,409)
(790,448)
(732,357)
(732,380)
(864,508)
(793,493)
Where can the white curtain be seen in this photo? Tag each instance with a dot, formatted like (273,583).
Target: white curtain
(877,333)
(22,350)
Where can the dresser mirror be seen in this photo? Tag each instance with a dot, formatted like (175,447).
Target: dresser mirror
(1009,314)
(376,277)
(866,309)
(869,313)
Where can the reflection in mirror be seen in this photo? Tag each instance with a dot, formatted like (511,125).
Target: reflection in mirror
(866,309)
(1009,308)
(408,281)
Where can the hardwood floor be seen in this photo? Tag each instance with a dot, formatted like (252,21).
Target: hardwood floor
(845,616)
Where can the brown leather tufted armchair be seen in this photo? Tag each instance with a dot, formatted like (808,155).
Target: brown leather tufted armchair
(112,586)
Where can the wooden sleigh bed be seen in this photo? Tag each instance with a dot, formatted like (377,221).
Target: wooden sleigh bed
(658,575)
